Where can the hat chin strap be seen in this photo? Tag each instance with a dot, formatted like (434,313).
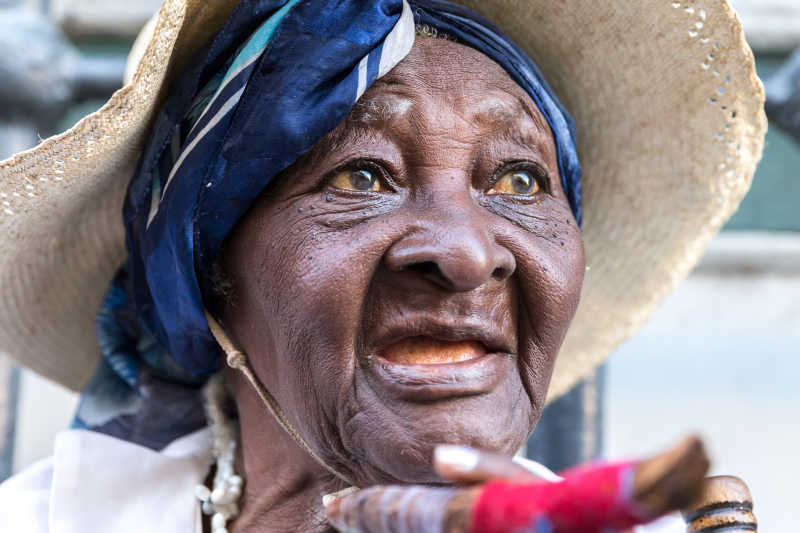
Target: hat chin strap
(238,360)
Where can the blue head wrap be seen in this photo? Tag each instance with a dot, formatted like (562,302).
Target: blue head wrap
(274,81)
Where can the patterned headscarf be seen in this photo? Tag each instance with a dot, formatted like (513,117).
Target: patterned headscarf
(276,79)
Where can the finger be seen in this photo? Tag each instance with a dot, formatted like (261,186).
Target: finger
(465,465)
(671,479)
(392,508)
(591,499)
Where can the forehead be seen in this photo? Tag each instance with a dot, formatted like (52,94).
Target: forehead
(444,92)
(443,70)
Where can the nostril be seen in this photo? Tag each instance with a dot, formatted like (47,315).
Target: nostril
(431,271)
(455,261)
(426,268)
(505,263)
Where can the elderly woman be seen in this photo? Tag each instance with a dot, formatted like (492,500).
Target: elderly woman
(372,212)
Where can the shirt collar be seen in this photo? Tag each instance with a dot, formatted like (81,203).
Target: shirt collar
(101,484)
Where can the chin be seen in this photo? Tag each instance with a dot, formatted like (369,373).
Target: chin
(393,435)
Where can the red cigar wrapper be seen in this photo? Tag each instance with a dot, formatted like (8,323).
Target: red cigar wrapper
(590,499)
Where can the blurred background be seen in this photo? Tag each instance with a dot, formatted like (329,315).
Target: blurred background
(719,359)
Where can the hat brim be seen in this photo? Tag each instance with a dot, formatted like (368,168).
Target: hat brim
(670,123)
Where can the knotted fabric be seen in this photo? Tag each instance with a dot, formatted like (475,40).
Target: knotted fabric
(277,78)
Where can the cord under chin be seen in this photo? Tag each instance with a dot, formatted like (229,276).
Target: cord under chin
(238,360)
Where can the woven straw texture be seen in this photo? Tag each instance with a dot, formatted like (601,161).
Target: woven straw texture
(670,122)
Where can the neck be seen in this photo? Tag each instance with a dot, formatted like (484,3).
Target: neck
(283,484)
(282,500)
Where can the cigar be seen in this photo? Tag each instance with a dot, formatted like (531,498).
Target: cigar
(590,499)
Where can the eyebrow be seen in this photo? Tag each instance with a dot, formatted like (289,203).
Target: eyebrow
(506,120)
(498,113)
(521,138)
(382,108)
(347,133)
(358,125)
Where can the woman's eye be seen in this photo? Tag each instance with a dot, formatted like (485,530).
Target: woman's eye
(515,182)
(360,179)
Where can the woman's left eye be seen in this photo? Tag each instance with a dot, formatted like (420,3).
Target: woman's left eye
(359,179)
(516,182)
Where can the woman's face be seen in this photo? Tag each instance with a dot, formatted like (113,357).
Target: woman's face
(410,280)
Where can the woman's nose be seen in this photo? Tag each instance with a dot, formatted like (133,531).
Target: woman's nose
(457,255)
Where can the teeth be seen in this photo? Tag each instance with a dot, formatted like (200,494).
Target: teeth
(427,351)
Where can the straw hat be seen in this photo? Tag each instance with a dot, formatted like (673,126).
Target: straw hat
(670,122)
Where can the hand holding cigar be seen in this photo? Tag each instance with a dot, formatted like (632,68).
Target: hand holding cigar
(493,494)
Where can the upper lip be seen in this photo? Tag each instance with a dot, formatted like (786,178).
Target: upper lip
(494,337)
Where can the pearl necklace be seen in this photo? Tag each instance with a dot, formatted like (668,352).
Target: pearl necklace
(221,502)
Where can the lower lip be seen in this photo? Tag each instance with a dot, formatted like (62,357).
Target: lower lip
(424,383)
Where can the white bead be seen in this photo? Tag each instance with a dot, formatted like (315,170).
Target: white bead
(225,511)
(217,495)
(207,508)
(202,493)
(221,502)
(218,521)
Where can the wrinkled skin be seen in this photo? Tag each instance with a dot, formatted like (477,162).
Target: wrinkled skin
(324,278)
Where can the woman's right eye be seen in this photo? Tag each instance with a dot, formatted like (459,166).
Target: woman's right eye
(358,179)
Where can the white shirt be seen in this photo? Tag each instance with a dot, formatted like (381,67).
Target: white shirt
(94,483)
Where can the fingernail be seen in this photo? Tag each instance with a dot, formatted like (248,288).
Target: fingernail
(331,508)
(327,499)
(461,458)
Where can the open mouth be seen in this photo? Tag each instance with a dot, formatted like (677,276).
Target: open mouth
(420,358)
(423,368)
(425,350)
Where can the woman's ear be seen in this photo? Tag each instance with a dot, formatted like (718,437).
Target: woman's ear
(222,290)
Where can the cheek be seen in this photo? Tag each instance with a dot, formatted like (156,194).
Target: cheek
(549,252)
(550,276)
(302,281)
